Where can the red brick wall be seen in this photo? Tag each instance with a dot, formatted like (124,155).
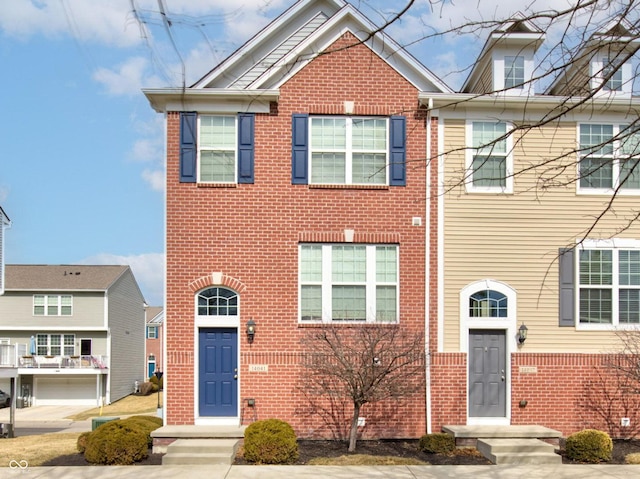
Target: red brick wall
(251,232)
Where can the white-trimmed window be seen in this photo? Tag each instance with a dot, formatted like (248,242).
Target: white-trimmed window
(609,158)
(615,82)
(217,301)
(514,71)
(52,305)
(348,150)
(152,332)
(217,149)
(489,157)
(348,282)
(609,286)
(55,344)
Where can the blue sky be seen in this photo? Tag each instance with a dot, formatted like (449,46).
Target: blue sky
(81,151)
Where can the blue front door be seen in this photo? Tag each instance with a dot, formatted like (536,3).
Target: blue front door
(218,365)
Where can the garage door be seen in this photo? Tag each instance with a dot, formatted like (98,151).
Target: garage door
(76,391)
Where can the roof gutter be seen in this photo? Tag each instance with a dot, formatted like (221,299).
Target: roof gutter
(178,99)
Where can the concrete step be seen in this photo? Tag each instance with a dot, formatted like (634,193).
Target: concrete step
(518,451)
(201,451)
(466,436)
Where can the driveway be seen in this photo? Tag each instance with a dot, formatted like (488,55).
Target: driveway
(46,419)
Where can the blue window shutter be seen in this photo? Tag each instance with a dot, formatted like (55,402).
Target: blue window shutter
(566,258)
(246,149)
(300,149)
(397,151)
(188,147)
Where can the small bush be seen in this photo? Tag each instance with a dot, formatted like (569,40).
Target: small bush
(157,383)
(589,445)
(145,424)
(82,441)
(117,442)
(438,443)
(145,389)
(633,458)
(271,441)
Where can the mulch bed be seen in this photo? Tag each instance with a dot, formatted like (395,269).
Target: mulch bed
(390,447)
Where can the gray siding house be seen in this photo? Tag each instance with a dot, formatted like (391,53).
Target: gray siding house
(76,333)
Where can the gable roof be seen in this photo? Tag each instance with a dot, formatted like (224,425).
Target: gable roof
(256,70)
(36,277)
(154,314)
(4,219)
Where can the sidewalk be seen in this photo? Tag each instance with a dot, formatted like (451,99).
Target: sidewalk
(329,472)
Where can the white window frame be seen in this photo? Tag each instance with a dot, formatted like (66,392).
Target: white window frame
(615,246)
(509,67)
(470,153)
(348,149)
(155,332)
(66,349)
(370,284)
(599,65)
(46,305)
(616,157)
(209,148)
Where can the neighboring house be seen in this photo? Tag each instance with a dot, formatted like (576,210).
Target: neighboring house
(154,340)
(77,332)
(321,175)
(4,223)
(291,203)
(518,247)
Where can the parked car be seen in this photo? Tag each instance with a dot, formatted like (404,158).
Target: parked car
(5,399)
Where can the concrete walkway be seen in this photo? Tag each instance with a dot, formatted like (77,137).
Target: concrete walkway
(327,472)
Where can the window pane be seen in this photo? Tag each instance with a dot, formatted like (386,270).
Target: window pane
(369,134)
(386,304)
(369,168)
(629,306)
(65,309)
(596,140)
(349,303)
(596,267)
(615,82)
(596,173)
(386,264)
(311,303)
(217,302)
(349,264)
(311,263)
(629,268)
(217,166)
(489,171)
(484,135)
(52,305)
(629,140)
(42,343)
(595,306)
(513,71)
(328,168)
(630,173)
(218,132)
(328,133)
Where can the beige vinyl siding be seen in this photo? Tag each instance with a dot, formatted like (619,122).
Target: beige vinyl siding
(515,238)
(127,326)
(16,310)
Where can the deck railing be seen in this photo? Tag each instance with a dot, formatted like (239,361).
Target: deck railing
(9,358)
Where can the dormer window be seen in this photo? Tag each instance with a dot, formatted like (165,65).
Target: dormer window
(513,71)
(615,82)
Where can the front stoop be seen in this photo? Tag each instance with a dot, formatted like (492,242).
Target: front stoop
(201,452)
(510,444)
(518,451)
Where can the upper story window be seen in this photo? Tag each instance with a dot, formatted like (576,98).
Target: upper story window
(609,158)
(348,282)
(489,157)
(152,332)
(346,150)
(55,344)
(52,305)
(217,302)
(513,71)
(217,151)
(609,67)
(216,148)
(609,287)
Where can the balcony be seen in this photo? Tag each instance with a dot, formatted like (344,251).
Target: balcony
(9,358)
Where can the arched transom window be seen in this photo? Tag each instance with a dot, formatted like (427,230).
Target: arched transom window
(488,303)
(217,302)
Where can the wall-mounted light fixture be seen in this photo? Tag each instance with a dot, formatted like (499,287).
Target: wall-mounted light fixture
(522,334)
(251,330)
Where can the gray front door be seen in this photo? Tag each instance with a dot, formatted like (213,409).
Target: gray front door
(487,373)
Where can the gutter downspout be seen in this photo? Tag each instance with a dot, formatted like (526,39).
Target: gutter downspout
(427,282)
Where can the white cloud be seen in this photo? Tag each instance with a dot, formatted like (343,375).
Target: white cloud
(128,78)
(155,178)
(147,268)
(4,193)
